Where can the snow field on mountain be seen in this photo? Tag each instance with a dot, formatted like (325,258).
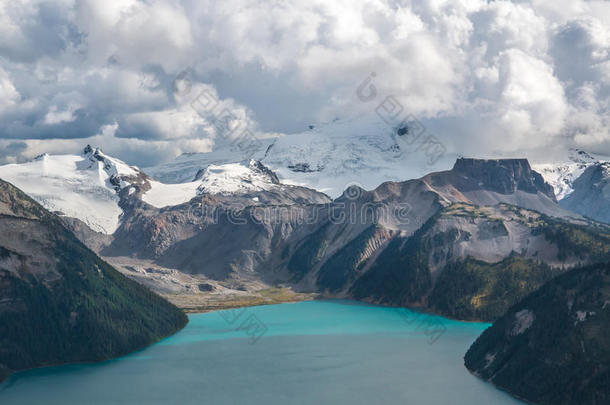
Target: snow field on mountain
(71,184)
(233,178)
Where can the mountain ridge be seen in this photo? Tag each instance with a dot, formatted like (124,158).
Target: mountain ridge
(252,237)
(257,229)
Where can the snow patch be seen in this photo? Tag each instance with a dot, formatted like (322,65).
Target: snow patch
(582,316)
(489,359)
(163,195)
(524,319)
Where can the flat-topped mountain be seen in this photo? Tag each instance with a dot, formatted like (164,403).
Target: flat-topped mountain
(491,182)
(504,176)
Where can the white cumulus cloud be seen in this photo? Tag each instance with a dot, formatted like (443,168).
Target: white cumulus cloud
(500,77)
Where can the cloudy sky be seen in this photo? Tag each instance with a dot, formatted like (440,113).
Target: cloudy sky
(488,77)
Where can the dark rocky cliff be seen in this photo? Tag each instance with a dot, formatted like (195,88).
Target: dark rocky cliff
(504,176)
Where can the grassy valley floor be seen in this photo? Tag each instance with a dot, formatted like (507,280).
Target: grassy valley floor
(205,302)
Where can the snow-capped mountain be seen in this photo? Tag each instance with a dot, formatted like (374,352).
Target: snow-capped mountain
(236,179)
(365,150)
(81,186)
(562,175)
(185,167)
(591,195)
(225,179)
(90,186)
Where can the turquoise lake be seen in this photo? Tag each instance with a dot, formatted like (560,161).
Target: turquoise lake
(319,352)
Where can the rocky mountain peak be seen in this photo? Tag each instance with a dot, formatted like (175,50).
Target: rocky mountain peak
(258,167)
(504,176)
(96,155)
(581,156)
(116,169)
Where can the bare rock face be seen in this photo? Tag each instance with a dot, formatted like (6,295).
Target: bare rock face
(504,176)
(95,241)
(215,234)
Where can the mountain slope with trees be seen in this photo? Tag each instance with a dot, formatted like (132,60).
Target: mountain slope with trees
(59,302)
(553,347)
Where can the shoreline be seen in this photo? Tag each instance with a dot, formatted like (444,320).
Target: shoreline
(320,297)
(189,311)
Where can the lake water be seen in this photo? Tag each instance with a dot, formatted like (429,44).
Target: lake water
(320,352)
